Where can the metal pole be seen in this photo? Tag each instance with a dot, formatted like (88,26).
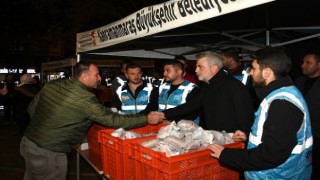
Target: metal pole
(267,37)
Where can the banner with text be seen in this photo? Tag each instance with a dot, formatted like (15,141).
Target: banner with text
(158,18)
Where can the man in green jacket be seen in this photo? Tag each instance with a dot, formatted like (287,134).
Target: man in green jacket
(60,115)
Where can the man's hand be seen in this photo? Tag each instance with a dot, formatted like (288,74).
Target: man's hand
(155,117)
(216,150)
(239,136)
(166,122)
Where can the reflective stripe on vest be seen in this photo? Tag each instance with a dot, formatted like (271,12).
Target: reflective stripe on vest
(256,139)
(186,88)
(298,165)
(131,105)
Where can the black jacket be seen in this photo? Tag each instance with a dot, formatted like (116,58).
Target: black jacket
(278,138)
(154,105)
(225,104)
(313,100)
(22,96)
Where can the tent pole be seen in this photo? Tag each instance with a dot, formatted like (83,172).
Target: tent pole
(41,74)
(267,38)
(242,39)
(297,40)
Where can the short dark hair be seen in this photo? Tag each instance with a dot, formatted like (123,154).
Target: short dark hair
(315,53)
(275,58)
(176,64)
(180,57)
(133,65)
(81,67)
(124,62)
(231,52)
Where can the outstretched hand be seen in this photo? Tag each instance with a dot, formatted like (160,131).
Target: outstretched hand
(155,117)
(239,136)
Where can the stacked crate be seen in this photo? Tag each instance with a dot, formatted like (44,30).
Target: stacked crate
(200,164)
(116,152)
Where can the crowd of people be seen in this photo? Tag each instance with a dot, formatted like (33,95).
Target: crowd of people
(17,97)
(274,115)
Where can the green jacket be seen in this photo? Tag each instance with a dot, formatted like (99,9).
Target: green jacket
(62,112)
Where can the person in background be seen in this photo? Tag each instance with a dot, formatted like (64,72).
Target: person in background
(158,80)
(60,116)
(8,102)
(120,79)
(280,142)
(309,85)
(22,95)
(3,90)
(233,67)
(36,80)
(175,91)
(224,102)
(133,96)
(187,75)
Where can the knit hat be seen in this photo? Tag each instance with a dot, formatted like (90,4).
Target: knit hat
(24,79)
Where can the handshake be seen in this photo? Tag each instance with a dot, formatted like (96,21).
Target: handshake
(155,117)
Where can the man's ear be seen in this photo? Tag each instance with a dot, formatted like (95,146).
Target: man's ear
(214,69)
(83,78)
(266,72)
(179,71)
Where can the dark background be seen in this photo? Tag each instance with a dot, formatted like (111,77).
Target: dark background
(37,31)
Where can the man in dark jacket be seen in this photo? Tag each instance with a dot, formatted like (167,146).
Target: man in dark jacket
(3,92)
(60,115)
(8,101)
(280,141)
(309,85)
(22,95)
(120,79)
(239,70)
(224,102)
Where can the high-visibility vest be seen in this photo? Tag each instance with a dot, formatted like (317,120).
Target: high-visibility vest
(298,165)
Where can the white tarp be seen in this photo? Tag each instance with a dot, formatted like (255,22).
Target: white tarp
(158,18)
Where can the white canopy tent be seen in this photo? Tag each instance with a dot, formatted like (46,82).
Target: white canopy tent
(155,19)
(160,31)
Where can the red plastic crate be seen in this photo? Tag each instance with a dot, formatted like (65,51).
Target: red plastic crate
(194,165)
(116,153)
(92,138)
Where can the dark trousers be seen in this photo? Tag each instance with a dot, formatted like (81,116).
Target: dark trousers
(316,158)
(8,108)
(42,163)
